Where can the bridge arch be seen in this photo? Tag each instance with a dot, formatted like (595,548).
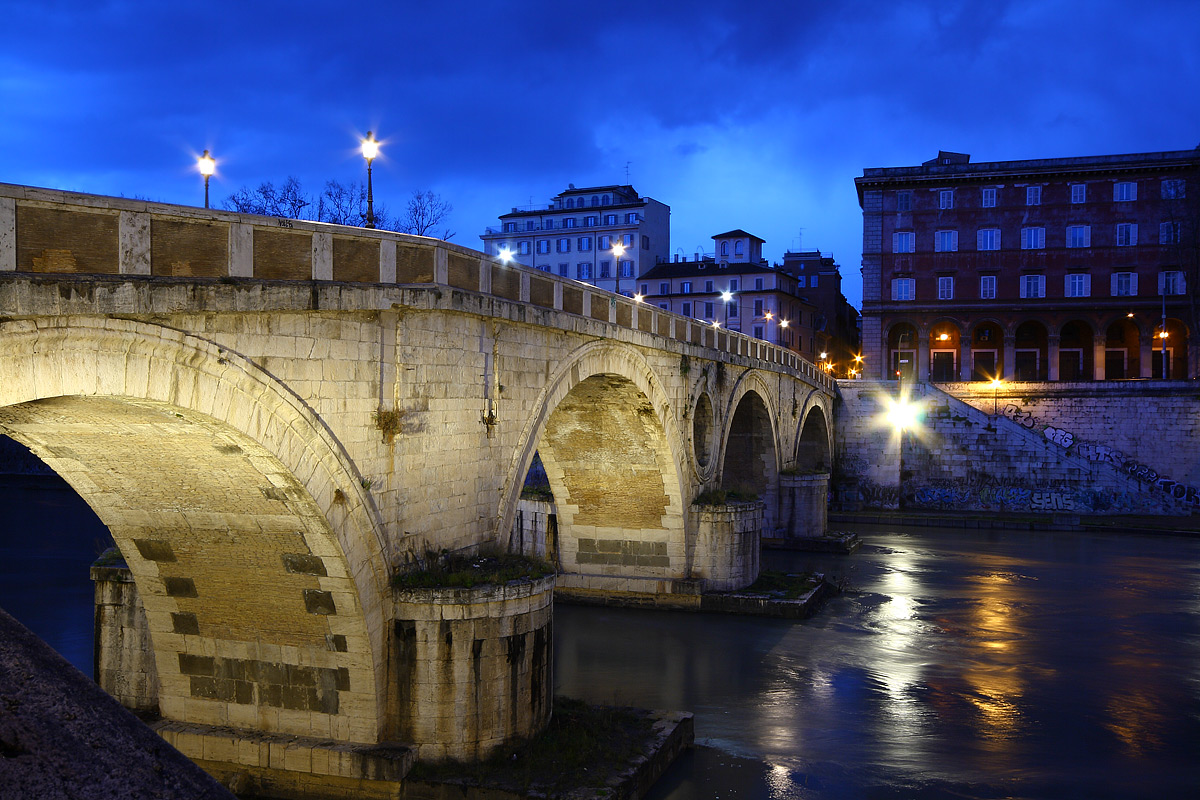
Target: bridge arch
(813,451)
(255,550)
(750,457)
(615,459)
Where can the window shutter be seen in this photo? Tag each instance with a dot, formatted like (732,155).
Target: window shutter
(895,243)
(1162,283)
(1133,234)
(1087,285)
(1024,285)
(1133,284)
(1087,235)
(1112,286)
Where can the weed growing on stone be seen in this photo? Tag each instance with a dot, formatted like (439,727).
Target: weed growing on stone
(785,585)
(724,497)
(455,570)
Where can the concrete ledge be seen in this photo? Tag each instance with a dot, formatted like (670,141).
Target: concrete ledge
(832,542)
(298,767)
(764,606)
(608,590)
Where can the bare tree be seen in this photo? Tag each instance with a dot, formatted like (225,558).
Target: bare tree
(426,211)
(339,203)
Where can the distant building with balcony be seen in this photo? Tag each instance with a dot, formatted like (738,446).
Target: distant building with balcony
(763,299)
(573,236)
(1047,269)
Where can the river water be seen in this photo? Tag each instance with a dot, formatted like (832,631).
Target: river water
(958,664)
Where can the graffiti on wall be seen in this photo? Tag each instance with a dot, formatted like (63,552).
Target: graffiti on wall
(1107,455)
(990,496)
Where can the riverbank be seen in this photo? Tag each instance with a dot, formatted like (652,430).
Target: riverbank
(1077,523)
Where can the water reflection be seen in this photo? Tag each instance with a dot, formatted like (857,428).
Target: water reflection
(961,665)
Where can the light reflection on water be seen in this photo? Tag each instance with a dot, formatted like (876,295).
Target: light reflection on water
(961,664)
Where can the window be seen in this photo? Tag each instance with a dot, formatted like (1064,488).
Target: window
(1079,284)
(631,216)
(733,308)
(813,282)
(1078,192)
(1168,233)
(523,247)
(604,270)
(685,287)
(1033,195)
(708,311)
(800,282)
(564,245)
(626,269)
(645,289)
(1124,190)
(739,247)
(946,288)
(585,244)
(543,246)
(589,222)
(687,309)
(945,241)
(645,242)
(988,239)
(569,222)
(562,269)
(1126,234)
(904,242)
(903,288)
(1174,189)
(530,225)
(708,287)
(610,219)
(724,248)
(904,201)
(583,271)
(987,287)
(510,227)
(1170,282)
(1079,236)
(665,306)
(1033,286)
(758,308)
(595,200)
(946,198)
(627,239)
(733,284)
(570,202)
(604,242)
(758,332)
(1033,238)
(989,197)
(1124,284)
(758,284)
(548,224)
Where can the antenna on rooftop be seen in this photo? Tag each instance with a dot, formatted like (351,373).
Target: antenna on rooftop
(799,240)
(627,163)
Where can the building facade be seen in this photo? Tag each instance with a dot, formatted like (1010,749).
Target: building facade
(819,281)
(574,236)
(763,301)
(1050,269)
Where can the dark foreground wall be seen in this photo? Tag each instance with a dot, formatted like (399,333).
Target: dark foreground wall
(61,736)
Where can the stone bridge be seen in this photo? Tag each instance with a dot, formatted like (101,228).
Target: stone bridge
(275,417)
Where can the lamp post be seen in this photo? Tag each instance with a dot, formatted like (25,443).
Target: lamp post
(783,323)
(207,167)
(618,250)
(1164,334)
(995,387)
(370,149)
(726,297)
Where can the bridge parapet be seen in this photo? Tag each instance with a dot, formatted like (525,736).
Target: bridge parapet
(67,233)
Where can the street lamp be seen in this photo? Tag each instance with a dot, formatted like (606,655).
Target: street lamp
(1164,334)
(370,149)
(726,297)
(506,255)
(618,250)
(207,167)
(995,387)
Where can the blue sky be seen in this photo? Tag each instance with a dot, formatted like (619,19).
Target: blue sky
(737,115)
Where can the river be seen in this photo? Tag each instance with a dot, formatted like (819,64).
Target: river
(958,664)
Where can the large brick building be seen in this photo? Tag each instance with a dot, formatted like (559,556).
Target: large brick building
(1047,269)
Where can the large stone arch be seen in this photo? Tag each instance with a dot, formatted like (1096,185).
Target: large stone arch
(256,553)
(813,449)
(750,418)
(615,460)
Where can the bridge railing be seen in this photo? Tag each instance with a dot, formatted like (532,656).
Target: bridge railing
(50,231)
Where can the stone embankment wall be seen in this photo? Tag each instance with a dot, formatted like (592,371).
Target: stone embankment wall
(963,458)
(1149,429)
(123,654)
